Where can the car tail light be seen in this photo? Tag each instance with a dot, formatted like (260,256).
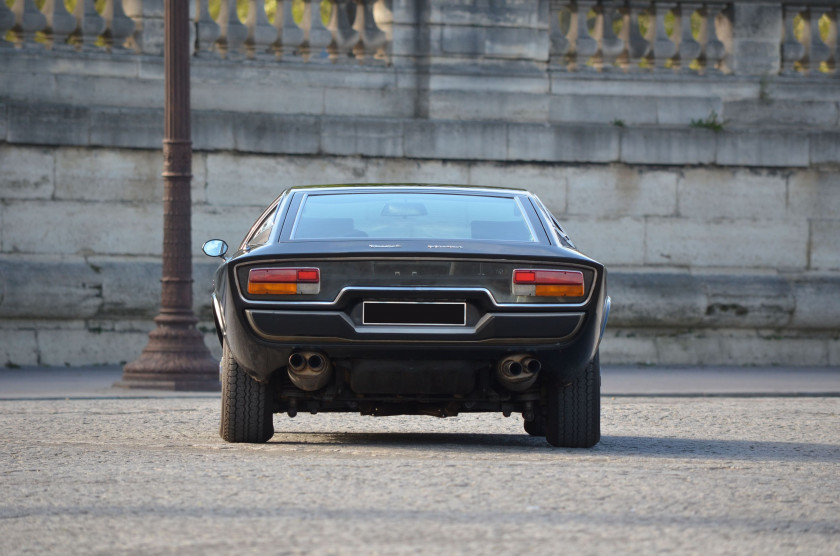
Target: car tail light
(548,283)
(284,281)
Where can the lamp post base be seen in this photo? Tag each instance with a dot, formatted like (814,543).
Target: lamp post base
(174,359)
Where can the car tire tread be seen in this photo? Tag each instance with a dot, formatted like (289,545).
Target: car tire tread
(574,410)
(246,408)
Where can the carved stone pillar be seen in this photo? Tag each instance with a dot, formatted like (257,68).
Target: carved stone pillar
(344,37)
(316,36)
(793,51)
(118,27)
(713,48)
(372,37)
(689,48)
(206,31)
(89,25)
(7,21)
(663,47)
(175,357)
(583,46)
(233,32)
(289,35)
(60,23)
(28,21)
(261,33)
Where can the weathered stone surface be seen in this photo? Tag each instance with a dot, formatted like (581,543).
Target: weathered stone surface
(228,223)
(96,344)
(403,171)
(716,347)
(548,182)
(456,140)
(563,143)
(126,127)
(108,175)
(825,147)
(369,137)
(824,249)
(3,119)
(621,191)
(603,109)
(17,347)
(672,147)
(27,172)
(374,103)
(102,91)
(724,193)
(770,148)
(269,133)
(48,125)
(682,110)
(812,309)
(213,130)
(664,299)
(72,228)
(44,288)
(756,32)
(801,112)
(814,194)
(739,243)
(462,105)
(612,241)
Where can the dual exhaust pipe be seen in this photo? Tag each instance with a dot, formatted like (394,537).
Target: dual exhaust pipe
(518,372)
(309,370)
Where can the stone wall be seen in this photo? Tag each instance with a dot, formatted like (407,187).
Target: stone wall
(705,176)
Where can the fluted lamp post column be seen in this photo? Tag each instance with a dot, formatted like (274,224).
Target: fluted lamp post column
(175,357)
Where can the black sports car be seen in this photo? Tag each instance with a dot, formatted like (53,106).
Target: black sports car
(410,299)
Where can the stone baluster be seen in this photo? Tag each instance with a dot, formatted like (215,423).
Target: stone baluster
(636,45)
(344,36)
(7,21)
(289,35)
(261,33)
(373,39)
(118,27)
(689,48)
(610,46)
(28,21)
(582,45)
(316,36)
(207,31)
(663,47)
(89,25)
(232,33)
(60,23)
(793,51)
(833,39)
(560,44)
(818,51)
(713,49)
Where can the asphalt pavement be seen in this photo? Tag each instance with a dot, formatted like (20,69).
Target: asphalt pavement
(691,461)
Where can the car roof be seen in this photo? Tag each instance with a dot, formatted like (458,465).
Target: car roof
(418,187)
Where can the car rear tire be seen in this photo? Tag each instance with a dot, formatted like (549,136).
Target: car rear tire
(246,406)
(574,410)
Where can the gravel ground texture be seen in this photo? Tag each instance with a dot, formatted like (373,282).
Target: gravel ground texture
(670,475)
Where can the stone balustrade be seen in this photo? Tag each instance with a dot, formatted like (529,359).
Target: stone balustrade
(752,37)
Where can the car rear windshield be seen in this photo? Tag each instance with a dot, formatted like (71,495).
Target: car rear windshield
(406,215)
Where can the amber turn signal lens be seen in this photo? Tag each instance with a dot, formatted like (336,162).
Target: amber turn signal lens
(559,291)
(258,288)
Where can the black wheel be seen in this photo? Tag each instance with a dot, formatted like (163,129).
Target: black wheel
(536,427)
(573,410)
(246,406)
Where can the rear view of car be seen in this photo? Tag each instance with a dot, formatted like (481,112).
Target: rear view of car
(410,299)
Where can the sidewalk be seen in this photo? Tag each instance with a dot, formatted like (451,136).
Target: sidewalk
(97,382)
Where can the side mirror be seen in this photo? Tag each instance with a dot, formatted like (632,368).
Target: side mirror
(215,248)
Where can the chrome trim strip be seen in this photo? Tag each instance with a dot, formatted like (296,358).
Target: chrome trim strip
(607,305)
(346,289)
(249,315)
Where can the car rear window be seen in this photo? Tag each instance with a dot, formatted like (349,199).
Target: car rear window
(405,215)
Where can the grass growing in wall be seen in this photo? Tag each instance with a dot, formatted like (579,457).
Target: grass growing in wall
(711,122)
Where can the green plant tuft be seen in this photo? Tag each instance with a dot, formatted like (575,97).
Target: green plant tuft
(711,122)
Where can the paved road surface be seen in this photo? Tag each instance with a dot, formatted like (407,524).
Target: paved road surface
(689,475)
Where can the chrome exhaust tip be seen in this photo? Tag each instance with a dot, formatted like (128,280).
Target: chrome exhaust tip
(309,371)
(518,372)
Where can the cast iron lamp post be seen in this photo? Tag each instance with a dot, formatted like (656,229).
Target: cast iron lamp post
(175,357)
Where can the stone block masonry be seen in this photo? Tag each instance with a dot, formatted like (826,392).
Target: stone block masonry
(702,169)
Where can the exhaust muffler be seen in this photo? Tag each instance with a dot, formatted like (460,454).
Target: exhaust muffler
(309,370)
(518,372)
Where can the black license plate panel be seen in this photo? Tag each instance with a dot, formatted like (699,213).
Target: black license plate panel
(399,313)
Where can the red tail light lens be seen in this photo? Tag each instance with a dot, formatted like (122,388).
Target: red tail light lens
(284,281)
(548,283)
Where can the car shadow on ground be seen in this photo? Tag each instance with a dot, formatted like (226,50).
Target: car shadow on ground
(641,446)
